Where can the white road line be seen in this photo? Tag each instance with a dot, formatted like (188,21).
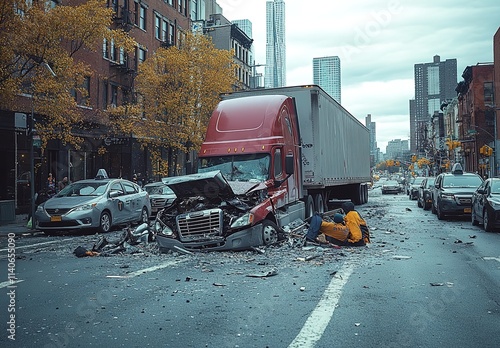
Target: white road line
(317,322)
(146,270)
(37,244)
(9,283)
(491,258)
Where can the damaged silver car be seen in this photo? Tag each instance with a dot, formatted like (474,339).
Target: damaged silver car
(211,213)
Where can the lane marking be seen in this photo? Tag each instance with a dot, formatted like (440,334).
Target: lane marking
(317,322)
(9,283)
(146,270)
(37,244)
(491,258)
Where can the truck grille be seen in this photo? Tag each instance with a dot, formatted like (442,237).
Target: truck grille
(196,225)
(463,200)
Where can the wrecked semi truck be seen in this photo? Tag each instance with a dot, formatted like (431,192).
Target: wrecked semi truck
(270,157)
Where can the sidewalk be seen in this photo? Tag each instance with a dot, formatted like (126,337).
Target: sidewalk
(17,227)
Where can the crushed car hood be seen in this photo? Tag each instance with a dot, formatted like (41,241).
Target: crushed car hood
(209,184)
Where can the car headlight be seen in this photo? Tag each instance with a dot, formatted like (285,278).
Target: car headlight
(243,220)
(448,196)
(83,207)
(163,229)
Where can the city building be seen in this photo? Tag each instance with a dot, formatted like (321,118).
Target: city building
(226,36)
(397,149)
(434,84)
(476,118)
(326,74)
(275,71)
(256,78)
(374,151)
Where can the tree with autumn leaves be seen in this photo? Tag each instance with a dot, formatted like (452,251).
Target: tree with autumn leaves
(38,59)
(177,88)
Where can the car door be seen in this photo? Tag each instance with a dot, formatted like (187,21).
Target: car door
(119,203)
(133,200)
(479,198)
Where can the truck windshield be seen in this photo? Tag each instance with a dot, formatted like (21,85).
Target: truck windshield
(252,168)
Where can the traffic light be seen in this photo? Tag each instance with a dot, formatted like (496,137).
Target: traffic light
(414,158)
(482,150)
(489,151)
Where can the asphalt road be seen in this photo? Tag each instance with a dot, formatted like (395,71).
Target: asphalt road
(421,283)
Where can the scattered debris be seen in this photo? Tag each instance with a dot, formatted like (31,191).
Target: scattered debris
(270,273)
(218,284)
(82,252)
(302,288)
(437,284)
(357,324)
(472,236)
(401,257)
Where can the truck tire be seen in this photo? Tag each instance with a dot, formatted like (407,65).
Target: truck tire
(270,232)
(319,203)
(365,193)
(309,207)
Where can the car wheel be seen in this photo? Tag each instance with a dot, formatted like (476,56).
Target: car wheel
(439,213)
(419,204)
(105,222)
(144,216)
(433,208)
(487,223)
(426,206)
(473,218)
(270,232)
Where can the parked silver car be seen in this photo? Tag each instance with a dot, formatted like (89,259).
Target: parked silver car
(160,195)
(99,203)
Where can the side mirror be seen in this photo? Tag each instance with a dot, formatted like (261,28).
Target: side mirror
(114,194)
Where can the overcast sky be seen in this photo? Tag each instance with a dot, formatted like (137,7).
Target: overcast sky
(378,42)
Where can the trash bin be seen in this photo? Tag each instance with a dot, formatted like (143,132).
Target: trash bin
(7,211)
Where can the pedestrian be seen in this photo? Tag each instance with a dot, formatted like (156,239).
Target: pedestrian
(51,186)
(63,183)
(360,234)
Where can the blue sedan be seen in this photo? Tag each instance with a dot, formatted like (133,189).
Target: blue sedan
(99,203)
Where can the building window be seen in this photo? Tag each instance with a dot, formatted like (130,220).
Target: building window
(141,56)
(488,93)
(114,95)
(179,6)
(105,51)
(164,31)
(86,97)
(172,34)
(112,51)
(105,95)
(140,15)
(158,21)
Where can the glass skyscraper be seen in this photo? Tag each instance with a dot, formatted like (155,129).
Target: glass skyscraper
(326,74)
(275,73)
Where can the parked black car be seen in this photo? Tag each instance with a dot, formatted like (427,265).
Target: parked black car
(413,187)
(424,197)
(486,204)
(452,192)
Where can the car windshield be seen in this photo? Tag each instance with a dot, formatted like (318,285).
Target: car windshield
(96,188)
(429,182)
(417,181)
(252,168)
(159,190)
(462,181)
(391,183)
(495,186)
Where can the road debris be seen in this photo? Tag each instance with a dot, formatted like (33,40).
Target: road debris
(401,257)
(270,273)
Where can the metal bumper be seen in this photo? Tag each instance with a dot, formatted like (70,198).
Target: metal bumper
(241,240)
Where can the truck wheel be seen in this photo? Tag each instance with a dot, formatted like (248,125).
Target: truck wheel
(319,204)
(309,207)
(365,194)
(270,232)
